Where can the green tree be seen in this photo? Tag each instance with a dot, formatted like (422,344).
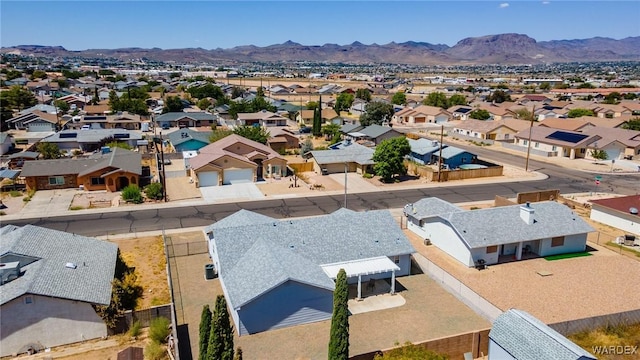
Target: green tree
(172,104)
(49,150)
(364,94)
(399,98)
(260,91)
(524,114)
(389,158)
(205,330)
(16,98)
(316,129)
(376,112)
(409,351)
(480,114)
(343,102)
(436,99)
(220,345)
(574,113)
(633,124)
(498,96)
(457,99)
(339,338)
(255,133)
(154,191)
(38,74)
(236,92)
(597,154)
(545,86)
(586,85)
(630,96)
(12,74)
(205,91)
(312,105)
(612,98)
(204,104)
(131,193)
(218,134)
(331,130)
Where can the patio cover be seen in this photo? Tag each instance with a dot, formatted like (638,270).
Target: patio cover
(362,267)
(9,174)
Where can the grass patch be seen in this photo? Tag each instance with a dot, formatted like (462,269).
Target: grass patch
(609,335)
(76,207)
(567,256)
(15,193)
(623,248)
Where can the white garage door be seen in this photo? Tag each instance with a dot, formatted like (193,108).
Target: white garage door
(237,176)
(208,178)
(612,153)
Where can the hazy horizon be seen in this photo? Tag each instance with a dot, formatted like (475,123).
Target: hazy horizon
(223,24)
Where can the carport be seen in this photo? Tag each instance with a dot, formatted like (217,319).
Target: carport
(364,267)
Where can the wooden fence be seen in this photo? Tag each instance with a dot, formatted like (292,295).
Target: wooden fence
(145,316)
(301,167)
(475,342)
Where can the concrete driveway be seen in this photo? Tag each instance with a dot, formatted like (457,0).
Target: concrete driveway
(355,182)
(242,191)
(49,202)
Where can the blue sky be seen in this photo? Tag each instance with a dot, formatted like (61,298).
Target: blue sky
(86,24)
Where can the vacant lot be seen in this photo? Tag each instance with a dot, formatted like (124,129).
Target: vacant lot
(146,254)
(430,312)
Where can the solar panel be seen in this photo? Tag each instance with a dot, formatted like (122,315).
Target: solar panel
(567,136)
(68,135)
(120,136)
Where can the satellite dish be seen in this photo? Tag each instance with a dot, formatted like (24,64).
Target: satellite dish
(633,210)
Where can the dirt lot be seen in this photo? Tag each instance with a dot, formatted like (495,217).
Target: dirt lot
(147,256)
(430,312)
(12,202)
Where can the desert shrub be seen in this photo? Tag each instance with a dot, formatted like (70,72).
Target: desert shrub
(15,193)
(132,194)
(154,351)
(159,330)
(367,176)
(76,207)
(153,191)
(135,329)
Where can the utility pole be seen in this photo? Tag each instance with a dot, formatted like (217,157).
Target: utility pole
(163,178)
(345,184)
(440,153)
(533,112)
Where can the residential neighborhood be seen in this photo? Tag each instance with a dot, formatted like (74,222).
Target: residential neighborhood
(492,218)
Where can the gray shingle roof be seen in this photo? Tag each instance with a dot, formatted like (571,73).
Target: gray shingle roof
(178,138)
(527,338)
(373,131)
(257,256)
(424,146)
(347,128)
(353,152)
(173,116)
(503,225)
(451,151)
(126,160)
(92,136)
(48,275)
(25,155)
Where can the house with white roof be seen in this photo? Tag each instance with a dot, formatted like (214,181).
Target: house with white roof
(517,335)
(489,236)
(280,273)
(47,292)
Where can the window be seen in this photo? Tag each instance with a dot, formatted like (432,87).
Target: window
(536,144)
(525,142)
(28,300)
(554,148)
(56,180)
(97,181)
(582,151)
(396,259)
(506,136)
(492,249)
(557,241)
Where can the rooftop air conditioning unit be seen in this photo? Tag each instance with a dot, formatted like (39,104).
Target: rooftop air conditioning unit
(427,242)
(9,271)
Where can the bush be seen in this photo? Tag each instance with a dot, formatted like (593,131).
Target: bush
(154,191)
(155,351)
(15,193)
(159,330)
(135,329)
(132,194)
(367,176)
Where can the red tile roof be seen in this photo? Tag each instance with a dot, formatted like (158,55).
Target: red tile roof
(622,204)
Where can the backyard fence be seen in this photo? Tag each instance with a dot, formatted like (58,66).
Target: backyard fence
(475,342)
(187,249)
(575,326)
(145,316)
(301,167)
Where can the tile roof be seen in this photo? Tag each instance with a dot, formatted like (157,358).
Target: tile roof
(224,147)
(480,227)
(629,138)
(90,281)
(257,256)
(542,133)
(526,338)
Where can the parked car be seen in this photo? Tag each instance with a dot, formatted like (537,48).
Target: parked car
(305,130)
(166,126)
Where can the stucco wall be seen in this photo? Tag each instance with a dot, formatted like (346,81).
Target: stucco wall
(609,217)
(572,243)
(444,238)
(47,321)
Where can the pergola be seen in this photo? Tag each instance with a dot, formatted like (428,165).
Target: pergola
(363,267)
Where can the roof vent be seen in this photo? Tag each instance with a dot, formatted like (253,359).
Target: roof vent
(70,265)
(9,271)
(633,211)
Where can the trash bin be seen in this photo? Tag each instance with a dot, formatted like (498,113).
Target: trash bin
(209,271)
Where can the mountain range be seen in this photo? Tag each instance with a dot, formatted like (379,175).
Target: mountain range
(491,49)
